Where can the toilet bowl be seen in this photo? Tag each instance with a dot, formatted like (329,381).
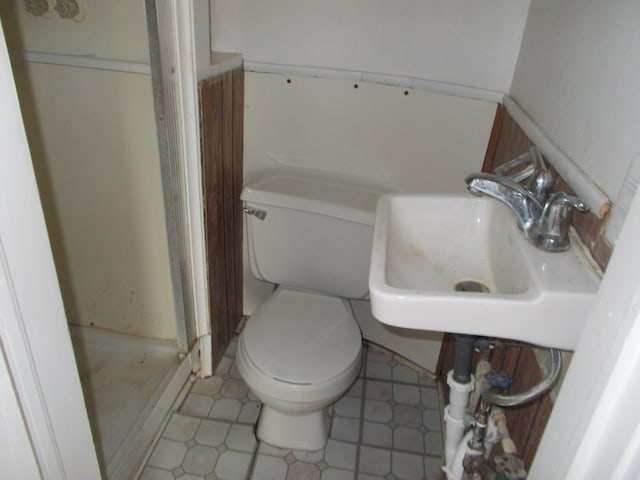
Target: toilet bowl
(298,353)
(301,349)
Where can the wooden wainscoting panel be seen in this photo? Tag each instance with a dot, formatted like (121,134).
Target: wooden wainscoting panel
(237,108)
(221,104)
(521,418)
(505,357)
(512,141)
(494,138)
(537,429)
(212,137)
(228,200)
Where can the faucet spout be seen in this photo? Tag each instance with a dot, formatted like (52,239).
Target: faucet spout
(523,203)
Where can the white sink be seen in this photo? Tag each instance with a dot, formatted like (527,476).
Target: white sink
(427,247)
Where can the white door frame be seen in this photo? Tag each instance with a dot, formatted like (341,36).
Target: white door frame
(594,429)
(33,325)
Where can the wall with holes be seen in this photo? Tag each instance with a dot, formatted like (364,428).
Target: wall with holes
(396,138)
(421,141)
(393,138)
(349,89)
(458,42)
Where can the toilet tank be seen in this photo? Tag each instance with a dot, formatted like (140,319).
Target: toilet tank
(316,235)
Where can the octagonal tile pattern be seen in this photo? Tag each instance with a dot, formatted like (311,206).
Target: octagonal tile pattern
(386,427)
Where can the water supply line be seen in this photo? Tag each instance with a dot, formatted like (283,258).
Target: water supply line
(534,392)
(483,346)
(475,443)
(474,462)
(500,420)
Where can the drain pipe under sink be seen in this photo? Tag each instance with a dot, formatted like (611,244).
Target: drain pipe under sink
(461,383)
(480,442)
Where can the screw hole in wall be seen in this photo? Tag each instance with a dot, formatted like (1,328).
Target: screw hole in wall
(288,80)
(406,92)
(355,85)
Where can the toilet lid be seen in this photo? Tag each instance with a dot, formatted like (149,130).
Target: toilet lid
(301,337)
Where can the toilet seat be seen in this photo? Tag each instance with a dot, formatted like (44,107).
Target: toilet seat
(302,338)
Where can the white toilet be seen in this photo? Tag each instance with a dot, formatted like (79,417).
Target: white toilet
(301,349)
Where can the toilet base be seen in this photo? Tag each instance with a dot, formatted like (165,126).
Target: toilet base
(296,432)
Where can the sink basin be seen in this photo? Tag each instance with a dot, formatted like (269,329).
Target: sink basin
(459,263)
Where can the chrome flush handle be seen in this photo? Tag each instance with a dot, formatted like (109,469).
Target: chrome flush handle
(256,212)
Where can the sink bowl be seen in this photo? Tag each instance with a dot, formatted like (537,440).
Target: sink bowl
(459,263)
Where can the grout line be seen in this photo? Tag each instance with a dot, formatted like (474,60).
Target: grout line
(397,382)
(404,361)
(254,459)
(363,396)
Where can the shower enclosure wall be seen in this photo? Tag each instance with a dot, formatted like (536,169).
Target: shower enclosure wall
(86,95)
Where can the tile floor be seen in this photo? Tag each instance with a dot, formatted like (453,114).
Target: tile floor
(386,427)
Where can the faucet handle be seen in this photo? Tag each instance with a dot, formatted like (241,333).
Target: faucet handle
(514,170)
(541,184)
(570,201)
(523,166)
(552,230)
(541,181)
(540,178)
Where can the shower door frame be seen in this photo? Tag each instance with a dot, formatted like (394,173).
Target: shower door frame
(173,34)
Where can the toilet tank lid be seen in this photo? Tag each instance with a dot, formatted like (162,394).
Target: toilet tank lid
(355,203)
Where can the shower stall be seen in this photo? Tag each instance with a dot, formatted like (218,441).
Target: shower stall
(87,100)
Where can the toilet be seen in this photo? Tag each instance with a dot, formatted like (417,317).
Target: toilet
(301,349)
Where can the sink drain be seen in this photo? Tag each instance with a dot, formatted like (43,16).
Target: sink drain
(471,286)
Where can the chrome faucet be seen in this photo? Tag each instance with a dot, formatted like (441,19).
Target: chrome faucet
(544,219)
(530,165)
(551,232)
(526,207)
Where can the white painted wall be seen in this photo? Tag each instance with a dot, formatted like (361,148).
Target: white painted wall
(457,42)
(594,429)
(422,347)
(94,145)
(423,141)
(577,75)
